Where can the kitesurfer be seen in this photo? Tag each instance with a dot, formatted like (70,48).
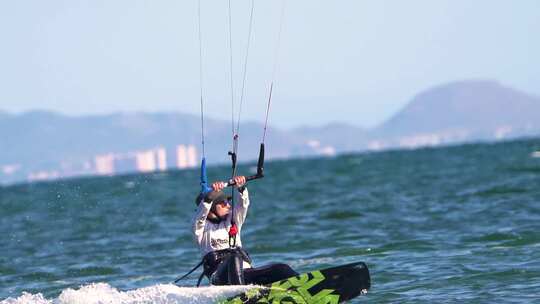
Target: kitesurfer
(225,264)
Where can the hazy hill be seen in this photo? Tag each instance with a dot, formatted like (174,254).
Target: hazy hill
(451,113)
(475,109)
(42,137)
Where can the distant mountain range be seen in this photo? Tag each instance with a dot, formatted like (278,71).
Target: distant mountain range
(41,141)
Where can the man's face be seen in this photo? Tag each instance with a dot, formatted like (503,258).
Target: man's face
(223,208)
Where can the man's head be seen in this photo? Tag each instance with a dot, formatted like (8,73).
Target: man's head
(221,208)
(221,205)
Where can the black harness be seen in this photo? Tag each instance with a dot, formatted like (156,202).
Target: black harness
(212,260)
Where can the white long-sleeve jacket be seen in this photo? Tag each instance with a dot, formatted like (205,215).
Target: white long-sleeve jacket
(210,236)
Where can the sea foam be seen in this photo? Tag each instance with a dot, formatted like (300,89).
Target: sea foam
(102,293)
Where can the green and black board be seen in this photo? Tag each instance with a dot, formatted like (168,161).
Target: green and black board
(327,286)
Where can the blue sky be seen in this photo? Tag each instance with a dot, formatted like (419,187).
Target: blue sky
(350,61)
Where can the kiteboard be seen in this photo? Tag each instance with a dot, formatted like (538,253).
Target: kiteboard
(326,286)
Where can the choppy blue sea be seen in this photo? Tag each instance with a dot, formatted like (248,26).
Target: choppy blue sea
(447,225)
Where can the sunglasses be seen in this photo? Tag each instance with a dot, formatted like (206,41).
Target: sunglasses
(223,203)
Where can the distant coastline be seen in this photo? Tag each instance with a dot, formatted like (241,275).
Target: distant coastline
(42,145)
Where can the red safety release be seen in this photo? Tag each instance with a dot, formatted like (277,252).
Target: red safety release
(233,231)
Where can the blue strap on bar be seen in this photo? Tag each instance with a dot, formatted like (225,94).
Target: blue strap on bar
(205,188)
